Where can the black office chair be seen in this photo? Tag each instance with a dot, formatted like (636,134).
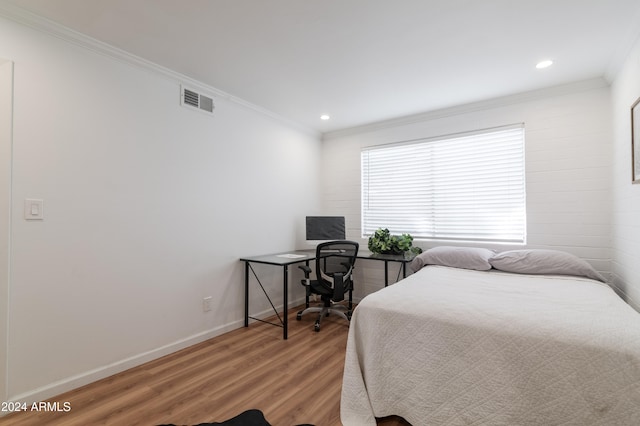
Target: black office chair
(334,278)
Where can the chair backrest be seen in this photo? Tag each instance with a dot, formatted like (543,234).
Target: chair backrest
(334,266)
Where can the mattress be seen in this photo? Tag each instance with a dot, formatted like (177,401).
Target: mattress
(451,346)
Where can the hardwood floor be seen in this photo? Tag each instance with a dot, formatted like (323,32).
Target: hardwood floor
(292,381)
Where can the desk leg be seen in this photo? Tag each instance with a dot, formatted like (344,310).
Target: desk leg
(246,294)
(285,308)
(306,297)
(404,269)
(386,273)
(351,297)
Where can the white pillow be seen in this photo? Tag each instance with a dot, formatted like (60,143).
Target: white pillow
(455,257)
(538,261)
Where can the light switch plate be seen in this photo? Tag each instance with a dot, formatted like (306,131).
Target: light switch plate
(33,209)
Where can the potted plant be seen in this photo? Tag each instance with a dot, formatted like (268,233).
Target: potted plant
(384,243)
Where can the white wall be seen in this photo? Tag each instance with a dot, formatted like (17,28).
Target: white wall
(568,166)
(6,84)
(148,207)
(626,196)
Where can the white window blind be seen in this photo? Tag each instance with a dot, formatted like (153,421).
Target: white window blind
(461,188)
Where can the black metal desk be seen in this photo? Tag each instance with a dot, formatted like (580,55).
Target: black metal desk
(298,256)
(279,259)
(386,258)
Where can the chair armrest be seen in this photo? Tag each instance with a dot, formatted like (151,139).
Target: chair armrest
(306,281)
(306,269)
(338,287)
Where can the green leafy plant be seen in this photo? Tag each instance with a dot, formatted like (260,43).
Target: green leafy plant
(383,242)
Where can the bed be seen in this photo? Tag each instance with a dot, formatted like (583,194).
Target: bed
(452,345)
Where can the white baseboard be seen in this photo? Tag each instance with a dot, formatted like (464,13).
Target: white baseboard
(51,390)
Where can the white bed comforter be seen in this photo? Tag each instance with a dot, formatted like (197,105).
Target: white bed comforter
(458,347)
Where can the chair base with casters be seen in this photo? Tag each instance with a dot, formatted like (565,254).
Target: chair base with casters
(334,270)
(326,310)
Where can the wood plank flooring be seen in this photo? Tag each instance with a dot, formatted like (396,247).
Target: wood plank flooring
(292,381)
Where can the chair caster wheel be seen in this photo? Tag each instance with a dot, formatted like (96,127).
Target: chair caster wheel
(316,327)
(299,317)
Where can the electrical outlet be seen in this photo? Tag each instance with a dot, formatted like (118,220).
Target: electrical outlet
(206,304)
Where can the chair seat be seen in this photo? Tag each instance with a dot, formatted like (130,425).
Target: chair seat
(317,288)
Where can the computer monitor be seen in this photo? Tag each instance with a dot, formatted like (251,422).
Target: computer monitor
(325,228)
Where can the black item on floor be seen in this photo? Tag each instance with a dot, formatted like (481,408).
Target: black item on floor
(248,418)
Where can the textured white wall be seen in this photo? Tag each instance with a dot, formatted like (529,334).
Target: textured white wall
(6,84)
(626,196)
(568,167)
(148,207)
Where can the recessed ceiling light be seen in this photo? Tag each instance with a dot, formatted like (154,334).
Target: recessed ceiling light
(324,117)
(544,64)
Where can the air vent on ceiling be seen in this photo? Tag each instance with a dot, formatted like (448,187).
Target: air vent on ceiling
(193,99)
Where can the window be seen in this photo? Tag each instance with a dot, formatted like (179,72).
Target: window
(468,187)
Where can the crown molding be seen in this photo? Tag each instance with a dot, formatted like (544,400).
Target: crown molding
(54,29)
(565,89)
(623,51)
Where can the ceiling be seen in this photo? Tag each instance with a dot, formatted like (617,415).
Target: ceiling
(362,61)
